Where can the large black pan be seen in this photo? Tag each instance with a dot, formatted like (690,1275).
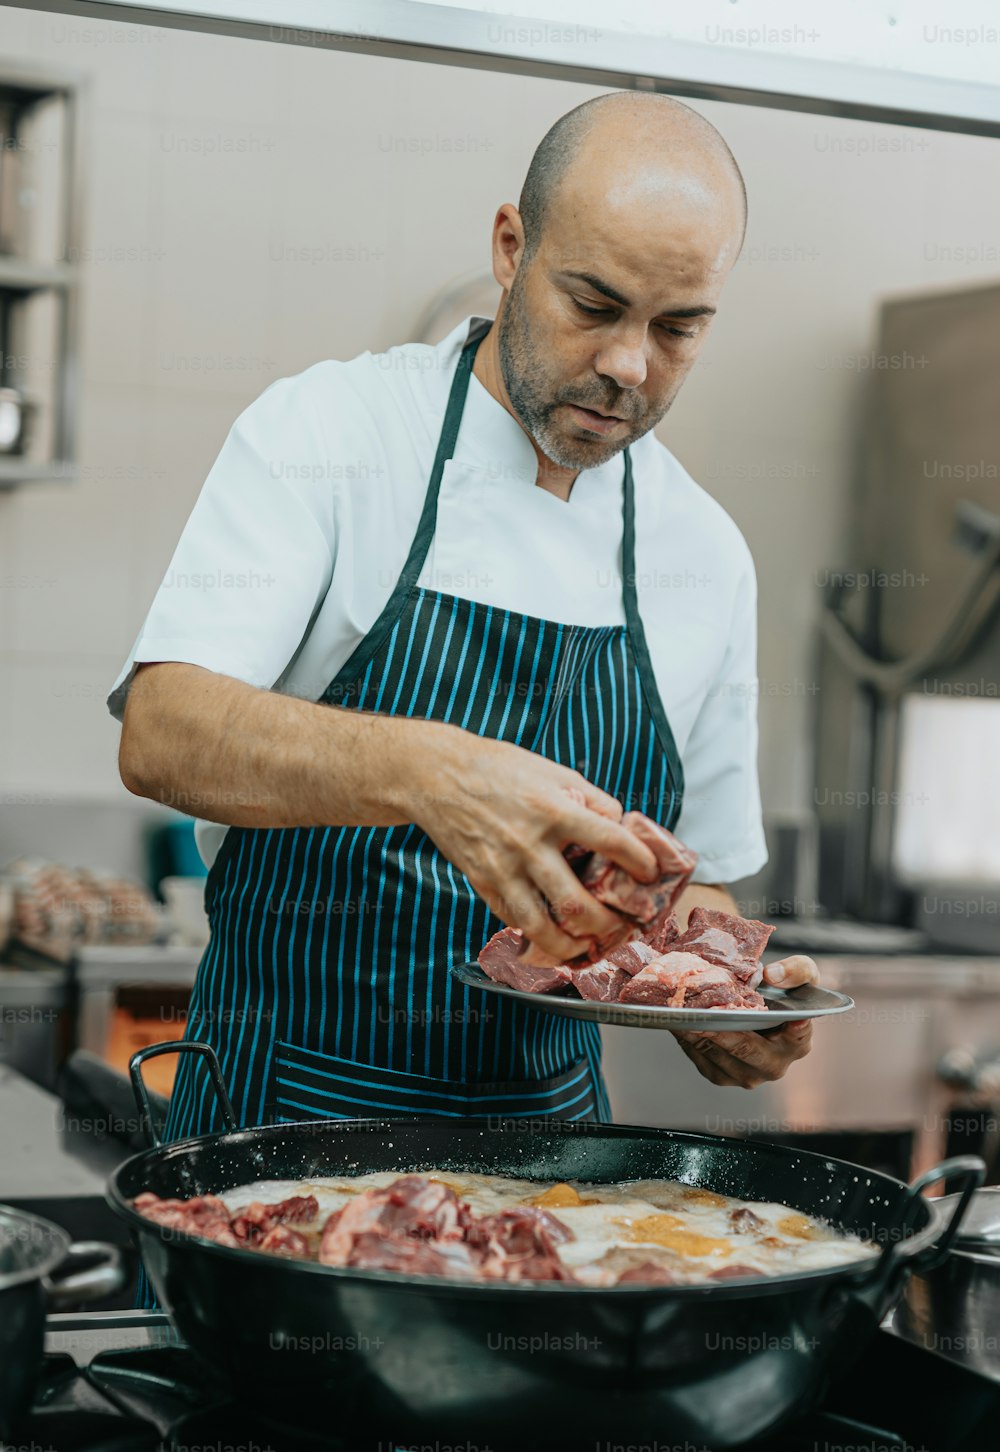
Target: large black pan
(387,1359)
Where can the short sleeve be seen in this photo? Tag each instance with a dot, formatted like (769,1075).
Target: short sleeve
(255,557)
(721,814)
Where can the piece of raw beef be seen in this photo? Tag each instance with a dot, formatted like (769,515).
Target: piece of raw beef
(646,903)
(501,960)
(735,943)
(603,981)
(683,980)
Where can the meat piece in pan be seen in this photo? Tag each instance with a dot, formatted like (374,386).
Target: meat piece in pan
(519,1244)
(647,1274)
(256,1220)
(203,1215)
(283,1240)
(413,1206)
(744,1221)
(683,980)
(412,1256)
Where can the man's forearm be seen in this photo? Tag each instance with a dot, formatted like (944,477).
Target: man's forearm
(219,749)
(704,894)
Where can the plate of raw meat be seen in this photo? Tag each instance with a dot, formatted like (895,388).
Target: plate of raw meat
(706,976)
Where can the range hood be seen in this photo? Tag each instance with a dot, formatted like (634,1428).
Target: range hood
(898,63)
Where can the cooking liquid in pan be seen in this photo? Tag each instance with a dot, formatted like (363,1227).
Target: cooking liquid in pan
(694,1233)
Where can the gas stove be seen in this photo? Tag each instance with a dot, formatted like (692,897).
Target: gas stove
(123,1381)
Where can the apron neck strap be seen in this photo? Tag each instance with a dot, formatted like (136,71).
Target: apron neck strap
(445,450)
(630,598)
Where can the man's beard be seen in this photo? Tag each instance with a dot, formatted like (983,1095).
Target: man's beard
(535,399)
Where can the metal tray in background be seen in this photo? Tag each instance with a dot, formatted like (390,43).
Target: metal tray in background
(784,1005)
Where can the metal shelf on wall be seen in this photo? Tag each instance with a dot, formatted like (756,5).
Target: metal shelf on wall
(24,278)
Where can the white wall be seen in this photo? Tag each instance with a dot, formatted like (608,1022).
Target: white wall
(217,160)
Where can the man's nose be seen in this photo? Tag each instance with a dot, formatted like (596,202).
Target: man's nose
(624,360)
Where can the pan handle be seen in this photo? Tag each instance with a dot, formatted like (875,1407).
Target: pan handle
(64,1286)
(928,1248)
(177,1046)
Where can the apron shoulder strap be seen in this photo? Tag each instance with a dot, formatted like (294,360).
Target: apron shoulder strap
(445,449)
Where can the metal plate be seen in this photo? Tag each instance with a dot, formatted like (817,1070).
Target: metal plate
(784,1006)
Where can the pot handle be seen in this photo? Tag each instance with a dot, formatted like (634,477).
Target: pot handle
(177,1046)
(103,1279)
(929,1248)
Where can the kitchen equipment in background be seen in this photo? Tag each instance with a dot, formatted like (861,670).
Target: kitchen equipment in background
(129,998)
(39,1267)
(10,175)
(786,891)
(93,1092)
(910,652)
(41,186)
(172,851)
(35,1021)
(16,413)
(6,913)
(186,918)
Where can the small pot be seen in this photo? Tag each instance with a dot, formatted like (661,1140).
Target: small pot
(37,1261)
(954,1309)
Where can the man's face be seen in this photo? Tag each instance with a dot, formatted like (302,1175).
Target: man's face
(610,314)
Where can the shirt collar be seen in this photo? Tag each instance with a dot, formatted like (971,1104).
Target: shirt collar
(491,439)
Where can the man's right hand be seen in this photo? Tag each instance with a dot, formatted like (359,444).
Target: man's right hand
(232,753)
(503,816)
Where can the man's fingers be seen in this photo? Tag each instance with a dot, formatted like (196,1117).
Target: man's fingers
(599,834)
(748,1059)
(707,1061)
(522,906)
(655,837)
(575,909)
(587,795)
(791,972)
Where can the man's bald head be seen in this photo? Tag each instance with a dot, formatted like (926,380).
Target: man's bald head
(612,268)
(655,133)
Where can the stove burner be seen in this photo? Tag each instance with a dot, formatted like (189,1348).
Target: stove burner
(164,1399)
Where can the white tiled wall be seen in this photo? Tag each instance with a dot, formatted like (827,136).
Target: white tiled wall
(210,158)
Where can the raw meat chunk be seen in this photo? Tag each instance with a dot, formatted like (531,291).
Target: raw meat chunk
(500,960)
(683,980)
(604,980)
(203,1215)
(718,937)
(644,902)
(257,1220)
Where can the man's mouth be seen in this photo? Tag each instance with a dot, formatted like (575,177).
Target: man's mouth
(592,420)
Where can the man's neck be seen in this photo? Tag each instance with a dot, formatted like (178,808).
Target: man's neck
(486,367)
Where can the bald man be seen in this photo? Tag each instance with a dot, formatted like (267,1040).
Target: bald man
(440,612)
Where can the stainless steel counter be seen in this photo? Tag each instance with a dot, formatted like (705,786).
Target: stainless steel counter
(43,1154)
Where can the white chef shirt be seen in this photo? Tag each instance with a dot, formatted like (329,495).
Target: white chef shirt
(304,523)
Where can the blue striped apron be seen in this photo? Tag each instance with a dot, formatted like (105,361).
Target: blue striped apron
(325,988)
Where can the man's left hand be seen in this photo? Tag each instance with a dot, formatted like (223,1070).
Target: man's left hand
(745,1060)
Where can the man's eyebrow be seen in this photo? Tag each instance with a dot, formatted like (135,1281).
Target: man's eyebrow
(615,296)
